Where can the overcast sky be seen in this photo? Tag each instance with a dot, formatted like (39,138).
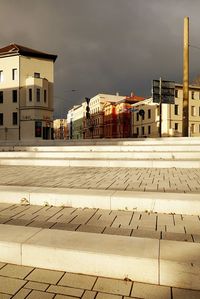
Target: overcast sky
(104,46)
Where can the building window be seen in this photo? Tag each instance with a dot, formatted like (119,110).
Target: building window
(199,128)
(37,75)
(38,129)
(192,95)
(137,131)
(199,111)
(193,111)
(14,96)
(38,95)
(142,130)
(30,94)
(192,128)
(1,96)
(14,74)
(45,96)
(1,119)
(149,129)
(176,109)
(1,76)
(14,118)
(137,116)
(176,93)
(176,126)
(149,113)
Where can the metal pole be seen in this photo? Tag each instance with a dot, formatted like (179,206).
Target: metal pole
(186,78)
(160,120)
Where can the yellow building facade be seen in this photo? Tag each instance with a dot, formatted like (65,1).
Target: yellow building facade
(26,93)
(147,123)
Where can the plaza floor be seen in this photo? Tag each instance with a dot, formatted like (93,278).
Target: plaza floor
(20,282)
(112,222)
(126,179)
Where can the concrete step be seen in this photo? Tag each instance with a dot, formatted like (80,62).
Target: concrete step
(102,155)
(139,259)
(157,202)
(138,147)
(116,141)
(100,162)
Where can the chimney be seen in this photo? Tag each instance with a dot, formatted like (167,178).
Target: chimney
(117,93)
(132,94)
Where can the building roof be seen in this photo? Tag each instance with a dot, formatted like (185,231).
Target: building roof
(178,85)
(15,49)
(131,100)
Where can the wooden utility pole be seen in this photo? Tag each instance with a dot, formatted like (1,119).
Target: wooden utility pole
(186,78)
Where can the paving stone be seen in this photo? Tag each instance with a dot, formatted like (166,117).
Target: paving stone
(65,291)
(117,231)
(41,224)
(184,294)
(22,294)
(78,281)
(2,265)
(4,296)
(113,286)
(10,285)
(47,276)
(196,238)
(146,234)
(38,294)
(150,291)
(15,271)
(65,226)
(177,237)
(63,297)
(36,286)
(91,229)
(89,295)
(20,222)
(107,296)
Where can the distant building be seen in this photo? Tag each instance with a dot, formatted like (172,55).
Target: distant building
(26,93)
(117,117)
(146,124)
(75,122)
(60,128)
(94,126)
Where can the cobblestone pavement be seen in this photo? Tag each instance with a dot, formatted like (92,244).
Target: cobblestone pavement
(136,224)
(143,179)
(20,282)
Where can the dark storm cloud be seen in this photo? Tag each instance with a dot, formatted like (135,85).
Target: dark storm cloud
(104,45)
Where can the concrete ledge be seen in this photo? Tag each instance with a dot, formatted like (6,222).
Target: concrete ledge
(94,254)
(179,203)
(81,162)
(170,263)
(180,264)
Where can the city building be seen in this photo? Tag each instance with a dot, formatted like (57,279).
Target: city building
(75,122)
(117,117)
(26,93)
(60,128)
(146,115)
(93,127)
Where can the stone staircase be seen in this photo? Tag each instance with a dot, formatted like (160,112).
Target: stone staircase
(168,255)
(150,153)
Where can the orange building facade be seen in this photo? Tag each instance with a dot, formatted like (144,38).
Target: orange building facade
(117,118)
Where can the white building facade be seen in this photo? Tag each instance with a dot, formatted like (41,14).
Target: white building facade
(26,93)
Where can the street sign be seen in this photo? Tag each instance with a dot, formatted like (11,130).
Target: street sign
(163,91)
